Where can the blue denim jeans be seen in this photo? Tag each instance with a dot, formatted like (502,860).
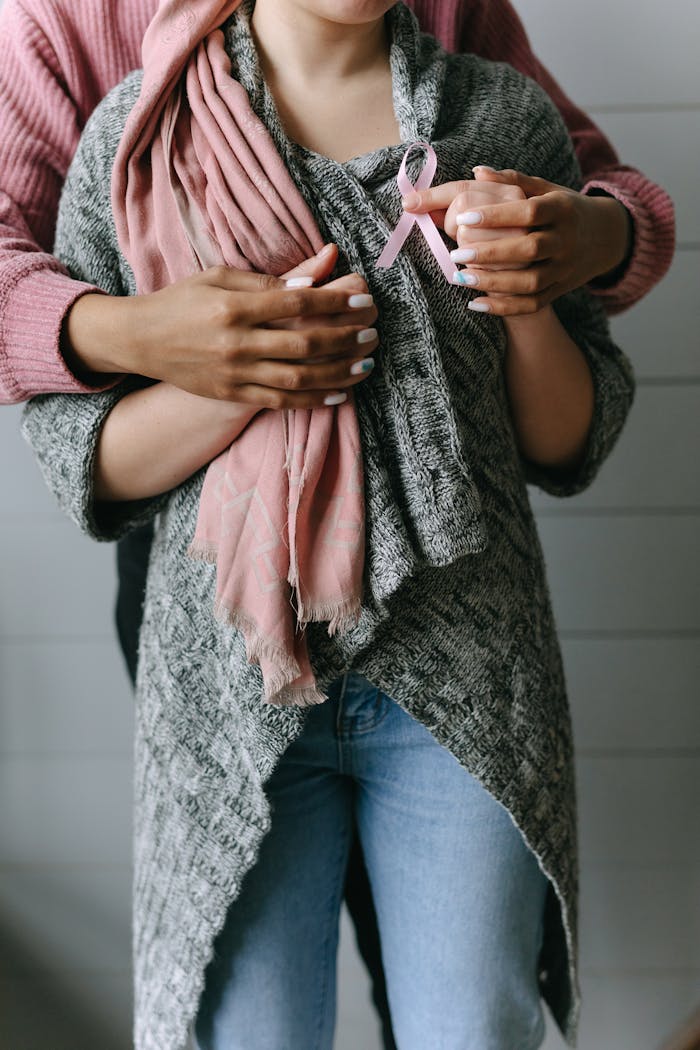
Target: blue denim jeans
(459,896)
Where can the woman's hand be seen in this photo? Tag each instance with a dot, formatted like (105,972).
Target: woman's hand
(213,335)
(531,246)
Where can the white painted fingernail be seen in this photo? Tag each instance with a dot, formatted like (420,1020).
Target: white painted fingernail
(299,282)
(463,255)
(462,277)
(335,399)
(367,335)
(469,218)
(360,302)
(361,368)
(479,307)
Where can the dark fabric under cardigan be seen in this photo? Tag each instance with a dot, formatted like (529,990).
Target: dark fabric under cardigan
(456,623)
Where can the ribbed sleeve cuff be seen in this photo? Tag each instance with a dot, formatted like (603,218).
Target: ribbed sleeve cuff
(64,434)
(31,319)
(653,215)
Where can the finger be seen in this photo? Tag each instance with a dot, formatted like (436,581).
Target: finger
(515,305)
(326,375)
(532,212)
(437,198)
(273,398)
(303,324)
(310,345)
(239,280)
(533,280)
(531,185)
(353,282)
(302,302)
(507,252)
(318,267)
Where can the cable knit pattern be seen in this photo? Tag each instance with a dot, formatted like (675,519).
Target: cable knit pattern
(456,622)
(61,56)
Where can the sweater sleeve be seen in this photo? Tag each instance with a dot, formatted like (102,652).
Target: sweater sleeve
(64,429)
(582,315)
(492,29)
(58,59)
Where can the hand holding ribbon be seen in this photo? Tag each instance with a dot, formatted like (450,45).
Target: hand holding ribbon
(425,222)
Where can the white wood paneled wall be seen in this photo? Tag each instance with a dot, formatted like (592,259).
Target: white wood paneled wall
(624,558)
(625,575)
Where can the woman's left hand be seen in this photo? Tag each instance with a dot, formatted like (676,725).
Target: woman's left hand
(536,248)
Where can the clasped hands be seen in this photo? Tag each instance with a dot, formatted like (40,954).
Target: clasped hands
(253,339)
(523,241)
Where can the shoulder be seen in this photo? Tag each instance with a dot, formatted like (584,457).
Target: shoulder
(510,115)
(98,145)
(108,119)
(499,86)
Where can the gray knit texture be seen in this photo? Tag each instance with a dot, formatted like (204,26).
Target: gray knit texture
(456,623)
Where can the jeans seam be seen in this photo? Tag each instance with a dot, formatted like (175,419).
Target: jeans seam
(333,912)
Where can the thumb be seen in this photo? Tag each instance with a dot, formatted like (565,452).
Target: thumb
(529,184)
(318,267)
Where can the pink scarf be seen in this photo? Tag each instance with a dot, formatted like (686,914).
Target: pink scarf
(198,182)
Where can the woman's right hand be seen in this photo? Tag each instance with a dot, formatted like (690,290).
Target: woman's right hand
(212,334)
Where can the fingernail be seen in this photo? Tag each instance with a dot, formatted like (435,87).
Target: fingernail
(469,218)
(335,399)
(299,282)
(411,200)
(367,335)
(362,367)
(463,255)
(462,277)
(479,306)
(360,302)
(325,250)
(482,167)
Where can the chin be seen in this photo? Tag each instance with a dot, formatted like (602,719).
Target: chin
(349,12)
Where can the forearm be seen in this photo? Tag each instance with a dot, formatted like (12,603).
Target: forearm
(156,438)
(550,390)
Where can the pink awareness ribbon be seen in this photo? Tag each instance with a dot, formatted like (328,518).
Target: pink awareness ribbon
(429,229)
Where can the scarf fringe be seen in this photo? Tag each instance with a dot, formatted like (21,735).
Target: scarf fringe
(279,689)
(203,550)
(290,697)
(341,617)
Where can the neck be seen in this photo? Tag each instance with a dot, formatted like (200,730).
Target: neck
(296,42)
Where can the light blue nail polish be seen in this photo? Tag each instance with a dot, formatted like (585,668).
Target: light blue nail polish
(463,277)
(361,368)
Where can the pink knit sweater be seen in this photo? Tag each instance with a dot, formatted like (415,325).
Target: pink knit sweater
(58,58)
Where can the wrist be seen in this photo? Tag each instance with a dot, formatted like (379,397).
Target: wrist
(612,235)
(97,336)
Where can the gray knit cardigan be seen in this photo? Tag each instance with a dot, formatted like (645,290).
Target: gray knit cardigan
(456,623)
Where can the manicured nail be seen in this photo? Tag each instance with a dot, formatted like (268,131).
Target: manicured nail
(367,335)
(299,282)
(479,306)
(360,302)
(335,399)
(361,368)
(463,255)
(469,218)
(462,277)
(482,167)
(411,200)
